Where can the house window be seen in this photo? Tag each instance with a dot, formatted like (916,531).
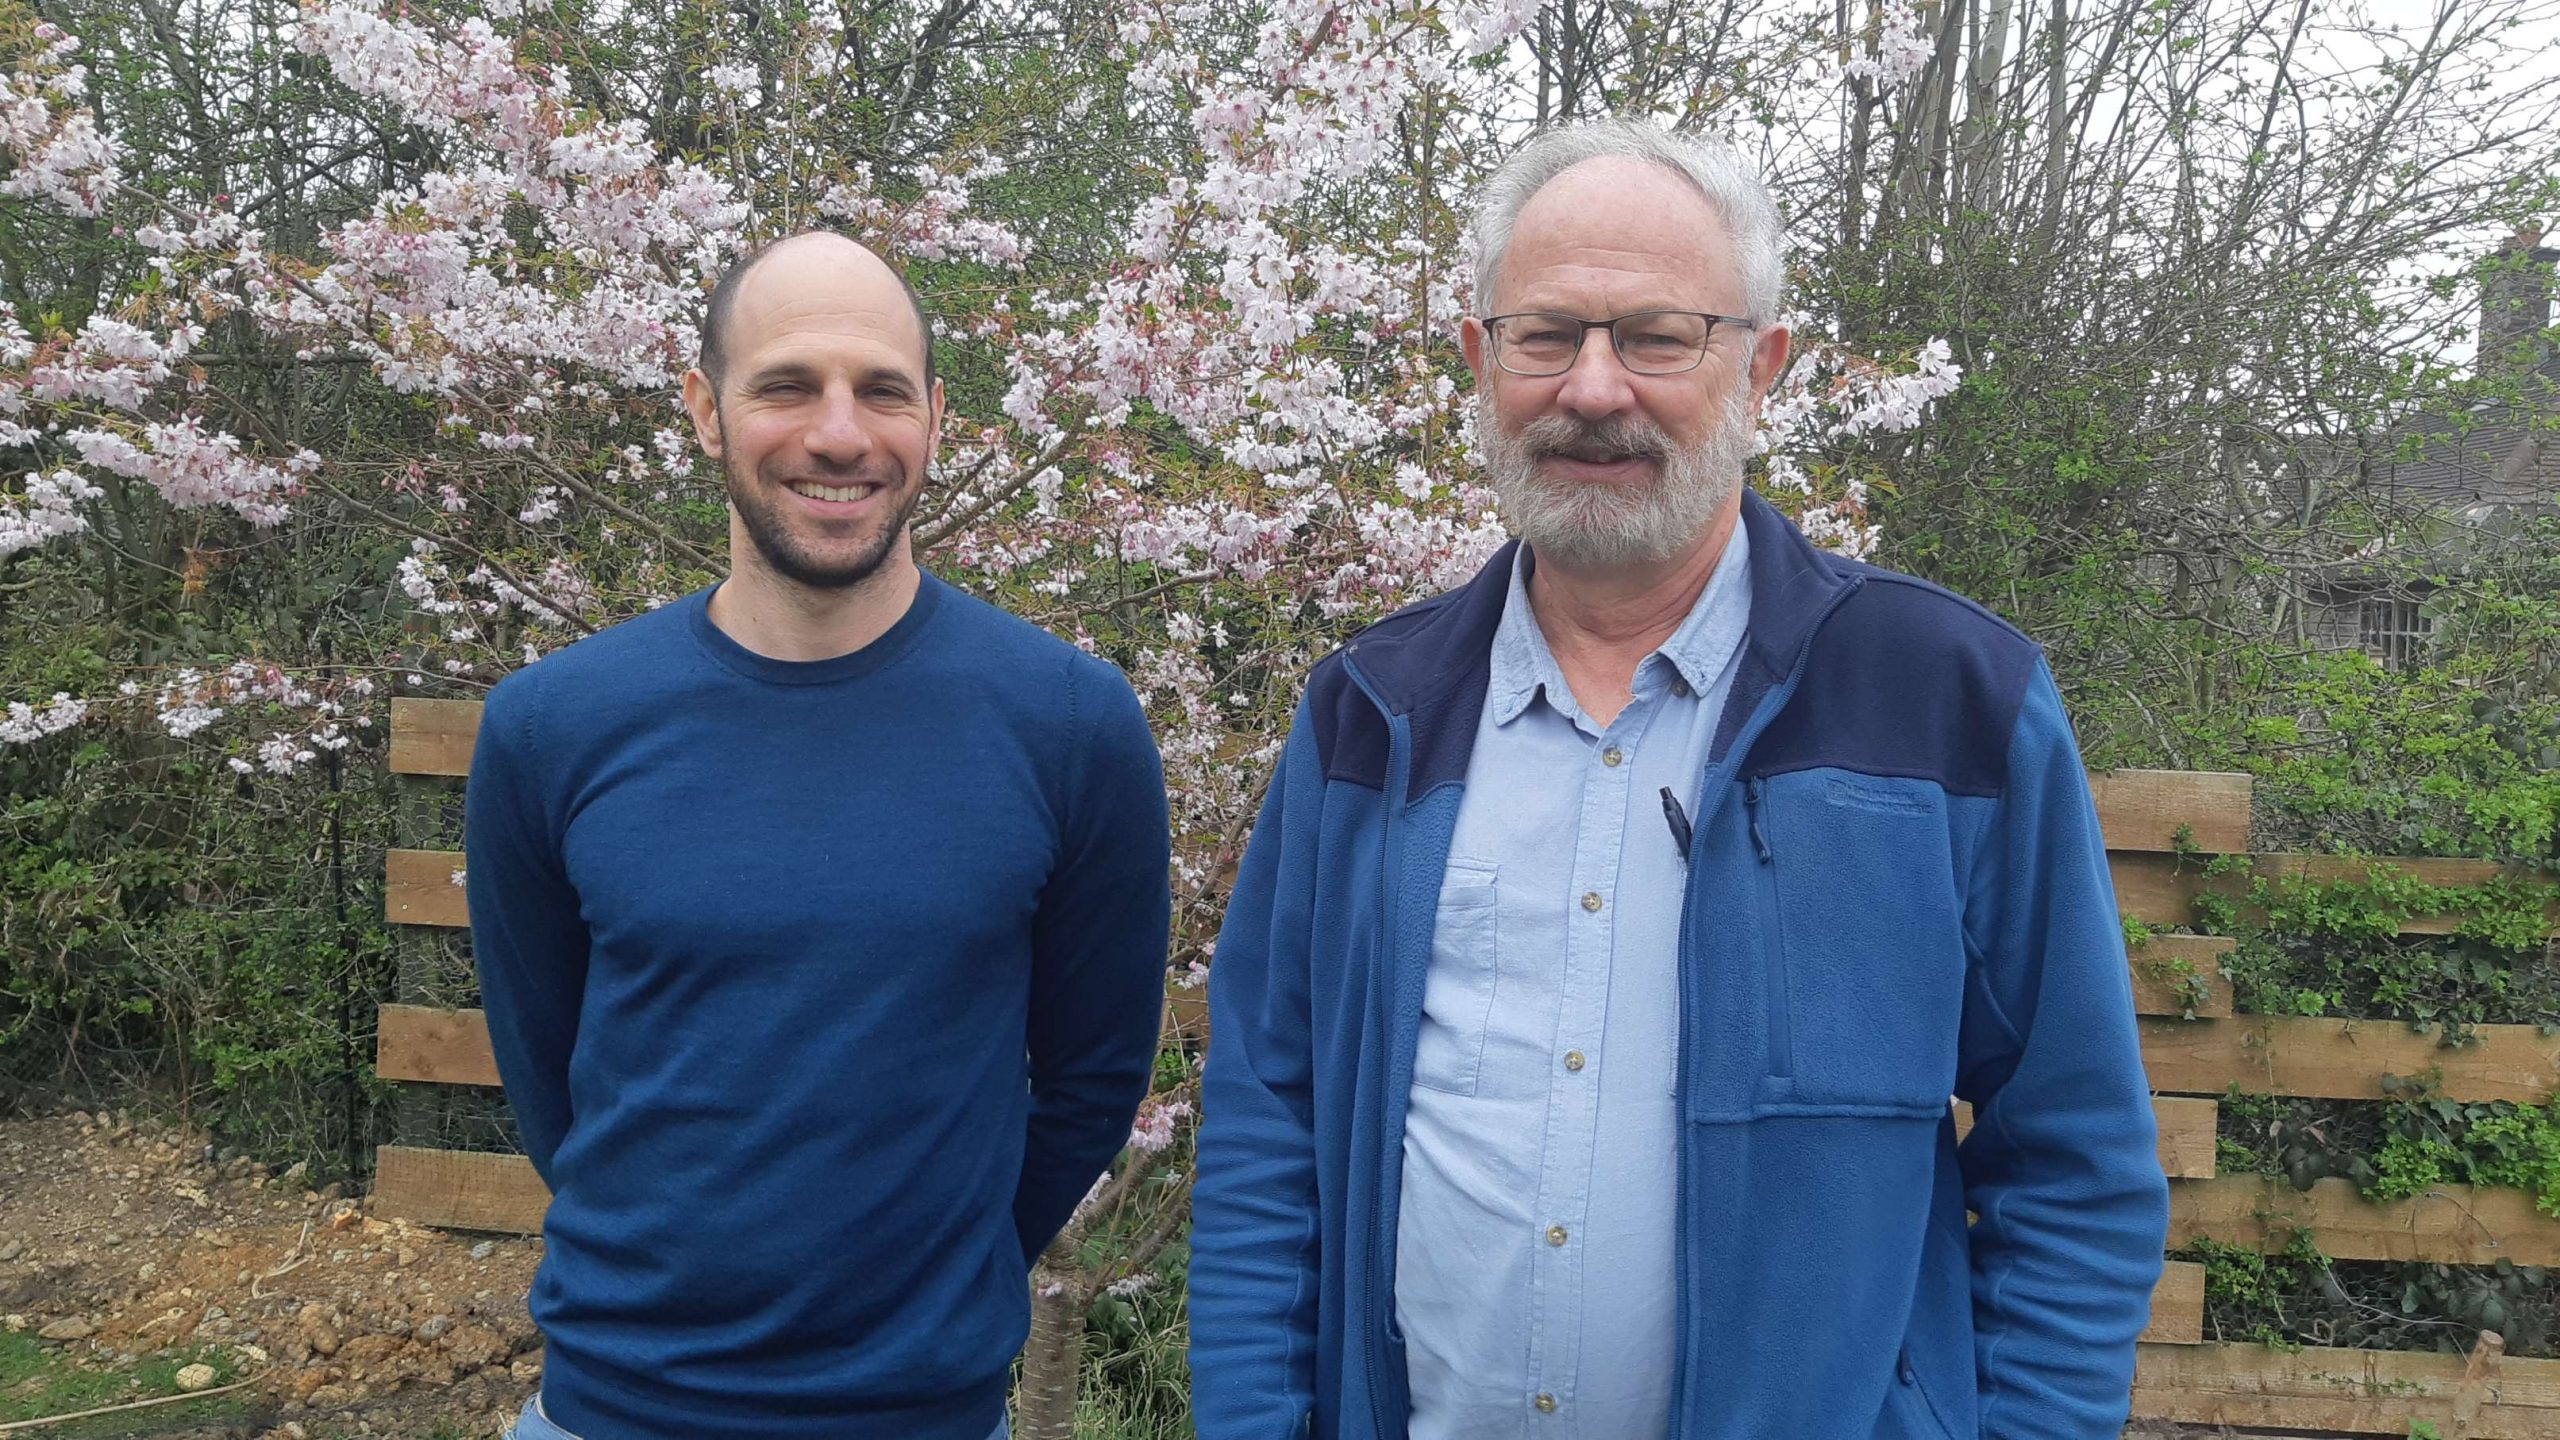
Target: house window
(2392,629)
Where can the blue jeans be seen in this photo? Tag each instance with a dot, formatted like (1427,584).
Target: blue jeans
(534,1425)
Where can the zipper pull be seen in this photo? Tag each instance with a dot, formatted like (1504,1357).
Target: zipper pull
(1751,806)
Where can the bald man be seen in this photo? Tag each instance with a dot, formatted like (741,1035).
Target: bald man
(820,919)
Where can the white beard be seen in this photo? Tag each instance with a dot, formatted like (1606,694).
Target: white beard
(1602,526)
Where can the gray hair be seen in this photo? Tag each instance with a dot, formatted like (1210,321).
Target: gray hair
(1727,182)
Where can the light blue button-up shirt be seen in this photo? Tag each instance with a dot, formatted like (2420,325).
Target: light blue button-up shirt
(1534,1265)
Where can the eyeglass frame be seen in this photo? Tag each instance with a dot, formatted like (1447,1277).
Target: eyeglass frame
(1493,333)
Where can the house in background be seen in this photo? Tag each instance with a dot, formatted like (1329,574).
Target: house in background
(2466,479)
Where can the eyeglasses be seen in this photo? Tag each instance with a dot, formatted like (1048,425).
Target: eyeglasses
(1648,342)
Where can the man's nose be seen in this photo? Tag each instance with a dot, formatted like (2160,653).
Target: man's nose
(1598,383)
(837,432)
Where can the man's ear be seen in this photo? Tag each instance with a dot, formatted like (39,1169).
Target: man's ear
(1471,339)
(1769,346)
(702,402)
(934,433)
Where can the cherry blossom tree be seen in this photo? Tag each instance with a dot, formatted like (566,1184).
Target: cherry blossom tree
(1215,431)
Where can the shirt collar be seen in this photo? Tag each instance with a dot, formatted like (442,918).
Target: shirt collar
(1698,652)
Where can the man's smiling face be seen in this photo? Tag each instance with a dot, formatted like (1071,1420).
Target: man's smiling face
(823,422)
(1599,464)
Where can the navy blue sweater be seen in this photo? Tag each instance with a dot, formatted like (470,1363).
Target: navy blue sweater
(822,993)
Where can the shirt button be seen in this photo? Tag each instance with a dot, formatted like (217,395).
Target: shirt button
(1680,688)
(1545,1402)
(1613,757)
(1556,1235)
(1591,901)
(1573,1060)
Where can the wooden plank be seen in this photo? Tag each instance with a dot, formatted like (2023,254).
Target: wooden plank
(2346,1059)
(440,1047)
(2186,1134)
(459,1190)
(2144,809)
(2161,890)
(451,1047)
(2177,1306)
(2361,1392)
(2449,1225)
(2432,870)
(2172,972)
(433,737)
(2187,1130)
(418,888)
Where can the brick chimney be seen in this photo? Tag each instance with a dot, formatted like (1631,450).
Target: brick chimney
(2515,304)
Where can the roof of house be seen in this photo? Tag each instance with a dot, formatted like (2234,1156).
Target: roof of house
(2502,452)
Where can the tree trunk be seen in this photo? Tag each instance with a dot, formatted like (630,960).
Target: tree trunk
(1045,1405)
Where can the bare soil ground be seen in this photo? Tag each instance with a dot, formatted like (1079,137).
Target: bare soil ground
(128,1248)
(126,1243)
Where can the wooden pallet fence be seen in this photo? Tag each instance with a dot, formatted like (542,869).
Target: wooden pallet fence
(2345,1059)
(2448,1225)
(2361,1392)
(2194,1042)
(2194,1046)
(2161,889)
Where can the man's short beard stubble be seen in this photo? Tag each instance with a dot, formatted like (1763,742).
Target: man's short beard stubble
(781,549)
(1592,524)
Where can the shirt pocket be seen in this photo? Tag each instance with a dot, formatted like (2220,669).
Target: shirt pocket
(1457,998)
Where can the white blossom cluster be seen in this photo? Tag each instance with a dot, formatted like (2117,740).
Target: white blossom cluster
(58,150)
(1901,51)
(24,723)
(1829,397)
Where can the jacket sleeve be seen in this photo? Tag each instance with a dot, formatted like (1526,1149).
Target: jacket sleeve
(2063,1164)
(528,938)
(1097,958)
(1254,1219)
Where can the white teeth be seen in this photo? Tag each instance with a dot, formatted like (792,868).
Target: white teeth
(834,492)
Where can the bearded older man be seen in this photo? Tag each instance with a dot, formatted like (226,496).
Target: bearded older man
(1618,926)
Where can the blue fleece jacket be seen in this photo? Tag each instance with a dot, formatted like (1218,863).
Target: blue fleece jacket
(822,992)
(1898,892)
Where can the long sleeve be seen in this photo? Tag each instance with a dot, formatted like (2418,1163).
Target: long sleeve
(528,939)
(1254,1218)
(1098,958)
(2062,1165)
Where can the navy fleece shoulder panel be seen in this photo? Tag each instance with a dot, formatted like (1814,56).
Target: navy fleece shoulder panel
(1911,680)
(1351,741)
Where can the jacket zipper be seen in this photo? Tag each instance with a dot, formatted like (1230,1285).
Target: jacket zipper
(1781,1045)
(1381,1286)
(1770,705)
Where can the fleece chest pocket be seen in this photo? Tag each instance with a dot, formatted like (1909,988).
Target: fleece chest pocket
(1457,998)
(1870,988)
